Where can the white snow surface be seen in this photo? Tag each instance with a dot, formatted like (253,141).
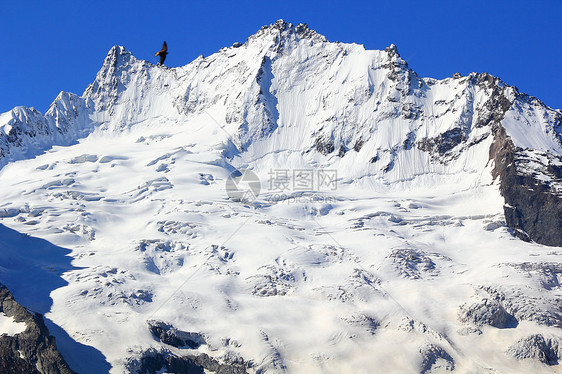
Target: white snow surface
(9,326)
(130,196)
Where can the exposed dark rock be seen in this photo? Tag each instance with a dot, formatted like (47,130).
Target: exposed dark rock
(493,111)
(410,325)
(276,282)
(398,72)
(490,114)
(444,142)
(557,126)
(342,151)
(388,166)
(449,140)
(392,50)
(489,312)
(547,351)
(485,78)
(533,208)
(435,358)
(410,111)
(543,309)
(367,322)
(412,263)
(409,141)
(153,361)
(358,145)
(11,364)
(33,350)
(168,334)
(26,124)
(324,145)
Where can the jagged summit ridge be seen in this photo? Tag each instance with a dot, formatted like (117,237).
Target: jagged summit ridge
(196,86)
(25,131)
(290,94)
(282,32)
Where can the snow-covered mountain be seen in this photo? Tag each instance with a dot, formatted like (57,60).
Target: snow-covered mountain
(385,235)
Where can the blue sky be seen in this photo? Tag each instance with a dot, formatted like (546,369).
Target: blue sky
(53,46)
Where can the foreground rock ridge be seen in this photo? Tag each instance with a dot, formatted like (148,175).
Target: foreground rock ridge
(390,221)
(32,350)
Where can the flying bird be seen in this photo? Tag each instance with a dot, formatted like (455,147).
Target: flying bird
(162,53)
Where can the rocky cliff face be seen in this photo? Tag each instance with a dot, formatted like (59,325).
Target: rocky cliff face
(532,188)
(30,351)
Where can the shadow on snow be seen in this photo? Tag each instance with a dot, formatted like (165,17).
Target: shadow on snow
(31,268)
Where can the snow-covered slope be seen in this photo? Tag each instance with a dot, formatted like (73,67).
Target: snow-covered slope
(382,236)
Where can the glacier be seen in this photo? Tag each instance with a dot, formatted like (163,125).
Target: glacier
(436,246)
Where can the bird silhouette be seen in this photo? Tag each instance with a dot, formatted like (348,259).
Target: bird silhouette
(162,53)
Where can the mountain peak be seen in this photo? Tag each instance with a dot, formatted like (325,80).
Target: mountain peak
(116,54)
(392,50)
(118,50)
(150,175)
(112,76)
(281,25)
(284,31)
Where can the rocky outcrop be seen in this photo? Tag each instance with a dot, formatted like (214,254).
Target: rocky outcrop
(444,142)
(412,264)
(547,274)
(31,351)
(435,359)
(506,306)
(168,334)
(537,347)
(488,312)
(152,361)
(533,201)
(25,132)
